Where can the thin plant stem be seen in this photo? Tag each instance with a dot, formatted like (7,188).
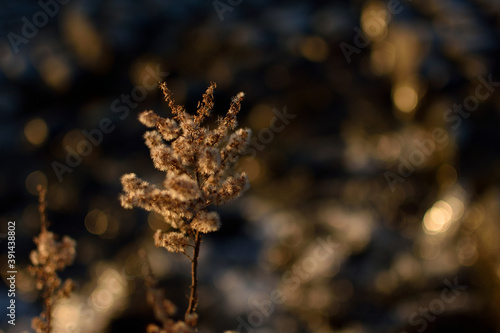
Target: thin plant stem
(48,290)
(48,313)
(193,298)
(42,206)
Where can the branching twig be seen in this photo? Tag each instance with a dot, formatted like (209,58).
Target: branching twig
(197,162)
(49,257)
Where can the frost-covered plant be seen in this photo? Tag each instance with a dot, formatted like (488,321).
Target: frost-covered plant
(50,256)
(199,172)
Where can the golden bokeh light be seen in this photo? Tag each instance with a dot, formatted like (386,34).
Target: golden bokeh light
(314,49)
(374,20)
(34,179)
(438,218)
(36,131)
(102,299)
(86,41)
(252,167)
(112,229)
(142,69)
(457,206)
(56,72)
(156,221)
(405,98)
(96,222)
(407,267)
(260,116)
(67,314)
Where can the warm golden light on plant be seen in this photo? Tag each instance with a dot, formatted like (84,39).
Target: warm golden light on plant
(199,173)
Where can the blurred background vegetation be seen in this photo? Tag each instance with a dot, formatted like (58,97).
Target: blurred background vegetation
(359,166)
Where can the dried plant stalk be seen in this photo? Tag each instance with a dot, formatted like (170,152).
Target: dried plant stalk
(49,257)
(199,172)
